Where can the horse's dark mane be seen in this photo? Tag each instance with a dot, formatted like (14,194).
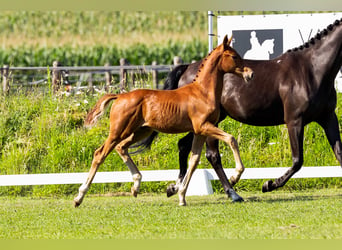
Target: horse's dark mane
(317,37)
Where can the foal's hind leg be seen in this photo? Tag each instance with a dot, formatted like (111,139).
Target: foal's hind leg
(122,150)
(99,156)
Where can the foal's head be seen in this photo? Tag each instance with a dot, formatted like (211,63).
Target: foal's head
(231,62)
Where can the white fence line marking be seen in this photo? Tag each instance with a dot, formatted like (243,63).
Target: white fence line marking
(200,183)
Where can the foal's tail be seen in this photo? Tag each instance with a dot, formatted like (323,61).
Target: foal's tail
(98,110)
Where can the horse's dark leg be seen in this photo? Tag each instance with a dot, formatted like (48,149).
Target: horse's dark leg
(296,132)
(213,156)
(330,125)
(184,147)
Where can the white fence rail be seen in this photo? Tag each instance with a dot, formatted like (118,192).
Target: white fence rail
(200,183)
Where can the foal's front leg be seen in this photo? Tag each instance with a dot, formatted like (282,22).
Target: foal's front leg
(213,156)
(210,130)
(184,147)
(196,150)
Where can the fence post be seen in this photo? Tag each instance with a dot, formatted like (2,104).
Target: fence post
(123,75)
(90,83)
(56,76)
(177,60)
(108,77)
(155,75)
(5,83)
(132,74)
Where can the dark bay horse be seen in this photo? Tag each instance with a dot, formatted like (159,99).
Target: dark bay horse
(194,107)
(295,89)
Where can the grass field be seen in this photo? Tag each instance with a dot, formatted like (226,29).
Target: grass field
(40,134)
(44,134)
(314,214)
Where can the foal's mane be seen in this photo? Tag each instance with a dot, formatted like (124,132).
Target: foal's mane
(203,62)
(318,36)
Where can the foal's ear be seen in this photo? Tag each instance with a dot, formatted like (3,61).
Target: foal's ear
(226,42)
(230,40)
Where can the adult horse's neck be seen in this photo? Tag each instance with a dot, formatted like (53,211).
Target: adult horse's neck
(210,76)
(325,52)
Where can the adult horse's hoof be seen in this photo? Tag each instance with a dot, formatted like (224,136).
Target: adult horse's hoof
(268,186)
(171,190)
(238,199)
(235,197)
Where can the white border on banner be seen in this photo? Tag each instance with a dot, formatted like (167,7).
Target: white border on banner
(291,24)
(297,28)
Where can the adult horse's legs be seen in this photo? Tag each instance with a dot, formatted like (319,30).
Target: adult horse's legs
(330,125)
(296,133)
(99,156)
(195,156)
(184,147)
(213,156)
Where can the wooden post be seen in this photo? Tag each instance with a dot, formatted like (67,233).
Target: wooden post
(90,83)
(123,75)
(177,60)
(5,83)
(155,75)
(132,78)
(56,76)
(108,77)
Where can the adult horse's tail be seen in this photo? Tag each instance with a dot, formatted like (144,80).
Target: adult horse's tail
(171,82)
(99,109)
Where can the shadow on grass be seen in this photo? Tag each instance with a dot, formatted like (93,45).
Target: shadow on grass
(276,197)
(291,197)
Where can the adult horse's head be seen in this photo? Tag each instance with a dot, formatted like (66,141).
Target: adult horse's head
(231,61)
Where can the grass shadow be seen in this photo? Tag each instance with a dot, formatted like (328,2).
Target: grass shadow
(291,197)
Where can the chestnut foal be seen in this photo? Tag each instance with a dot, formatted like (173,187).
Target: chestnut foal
(192,108)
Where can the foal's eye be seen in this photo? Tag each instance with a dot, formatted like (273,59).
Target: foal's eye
(234,57)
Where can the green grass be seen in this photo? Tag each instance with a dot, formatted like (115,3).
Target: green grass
(93,38)
(44,134)
(312,214)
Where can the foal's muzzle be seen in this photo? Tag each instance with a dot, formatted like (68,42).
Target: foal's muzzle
(247,74)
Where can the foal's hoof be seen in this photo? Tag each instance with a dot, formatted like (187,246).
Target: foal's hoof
(171,190)
(76,203)
(134,192)
(182,204)
(232,181)
(267,186)
(235,197)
